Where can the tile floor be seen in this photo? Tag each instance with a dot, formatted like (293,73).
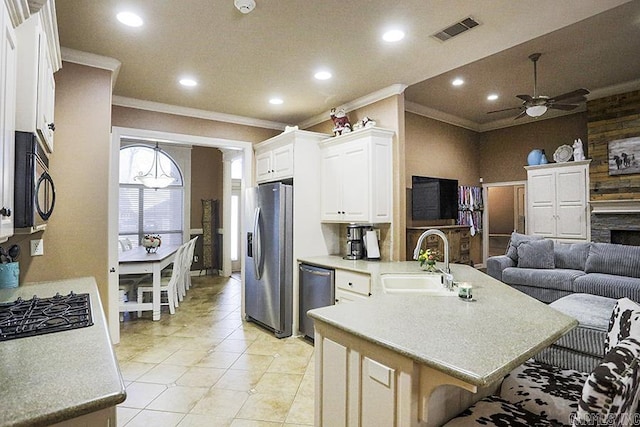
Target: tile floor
(205,366)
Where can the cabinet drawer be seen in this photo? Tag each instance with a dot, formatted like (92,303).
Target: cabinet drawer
(354,282)
(343,297)
(464,246)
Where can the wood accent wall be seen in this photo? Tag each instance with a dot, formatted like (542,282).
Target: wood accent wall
(611,118)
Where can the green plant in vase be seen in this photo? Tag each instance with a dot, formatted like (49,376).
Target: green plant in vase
(427,259)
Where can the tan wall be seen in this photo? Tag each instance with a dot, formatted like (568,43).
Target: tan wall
(440,150)
(503,152)
(150,120)
(75,241)
(206,180)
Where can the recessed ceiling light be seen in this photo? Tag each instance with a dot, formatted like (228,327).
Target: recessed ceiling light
(130,19)
(457,82)
(276,101)
(393,36)
(322,75)
(492,97)
(188,82)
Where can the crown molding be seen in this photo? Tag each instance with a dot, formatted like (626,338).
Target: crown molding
(92,60)
(614,90)
(158,107)
(431,113)
(395,89)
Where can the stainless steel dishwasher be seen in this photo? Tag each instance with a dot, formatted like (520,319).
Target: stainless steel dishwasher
(316,290)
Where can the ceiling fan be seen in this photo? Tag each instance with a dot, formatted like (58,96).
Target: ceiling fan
(537,105)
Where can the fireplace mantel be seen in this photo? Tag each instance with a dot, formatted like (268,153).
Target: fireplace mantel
(628,206)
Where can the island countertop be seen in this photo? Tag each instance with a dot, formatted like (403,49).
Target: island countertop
(62,375)
(477,341)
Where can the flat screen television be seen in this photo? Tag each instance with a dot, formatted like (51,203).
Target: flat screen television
(434,198)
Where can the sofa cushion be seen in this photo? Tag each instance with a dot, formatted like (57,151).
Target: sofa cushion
(619,260)
(544,389)
(608,285)
(536,254)
(612,391)
(516,240)
(550,279)
(571,255)
(624,322)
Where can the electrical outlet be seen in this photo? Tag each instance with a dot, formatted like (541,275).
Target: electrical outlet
(37,247)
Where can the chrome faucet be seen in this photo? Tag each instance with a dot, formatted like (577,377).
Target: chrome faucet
(448,277)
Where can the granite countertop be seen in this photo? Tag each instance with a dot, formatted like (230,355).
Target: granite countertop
(54,377)
(478,342)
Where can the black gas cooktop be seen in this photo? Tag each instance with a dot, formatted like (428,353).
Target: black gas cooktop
(36,316)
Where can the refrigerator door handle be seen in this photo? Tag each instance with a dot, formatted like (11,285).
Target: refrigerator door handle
(257,247)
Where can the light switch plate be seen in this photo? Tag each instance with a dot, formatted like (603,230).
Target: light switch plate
(37,247)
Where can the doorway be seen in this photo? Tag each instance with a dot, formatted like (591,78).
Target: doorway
(240,149)
(505,212)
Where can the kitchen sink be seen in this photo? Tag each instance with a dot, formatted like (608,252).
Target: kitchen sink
(415,283)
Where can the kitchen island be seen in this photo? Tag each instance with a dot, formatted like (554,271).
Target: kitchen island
(66,378)
(418,360)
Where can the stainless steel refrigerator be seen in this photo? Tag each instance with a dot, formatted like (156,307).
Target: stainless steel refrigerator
(269,257)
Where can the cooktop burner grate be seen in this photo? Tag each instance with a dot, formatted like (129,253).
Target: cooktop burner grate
(36,316)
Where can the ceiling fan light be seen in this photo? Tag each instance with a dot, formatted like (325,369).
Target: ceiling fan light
(536,110)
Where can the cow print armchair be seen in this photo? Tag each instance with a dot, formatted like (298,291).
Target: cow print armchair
(537,394)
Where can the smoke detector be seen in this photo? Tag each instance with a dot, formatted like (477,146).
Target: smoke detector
(244,6)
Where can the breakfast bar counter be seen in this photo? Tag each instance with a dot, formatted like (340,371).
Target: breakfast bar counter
(437,340)
(60,376)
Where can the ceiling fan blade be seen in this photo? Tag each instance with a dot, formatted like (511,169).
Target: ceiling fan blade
(525,98)
(570,95)
(504,109)
(565,107)
(521,115)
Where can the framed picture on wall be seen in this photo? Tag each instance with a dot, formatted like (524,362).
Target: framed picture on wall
(624,156)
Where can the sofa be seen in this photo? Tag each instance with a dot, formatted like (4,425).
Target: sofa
(548,270)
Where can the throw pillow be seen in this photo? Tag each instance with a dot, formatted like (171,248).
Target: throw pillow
(572,256)
(536,254)
(611,393)
(624,322)
(516,240)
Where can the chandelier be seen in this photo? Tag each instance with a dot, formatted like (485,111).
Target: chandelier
(156,177)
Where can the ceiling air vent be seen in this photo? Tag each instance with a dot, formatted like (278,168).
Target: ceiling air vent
(456,29)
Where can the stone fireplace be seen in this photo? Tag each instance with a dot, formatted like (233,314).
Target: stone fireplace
(616,221)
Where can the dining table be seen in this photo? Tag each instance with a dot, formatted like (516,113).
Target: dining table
(139,261)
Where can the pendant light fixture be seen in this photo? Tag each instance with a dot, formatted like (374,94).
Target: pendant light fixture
(156,177)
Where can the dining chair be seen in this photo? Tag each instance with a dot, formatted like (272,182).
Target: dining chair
(189,262)
(168,286)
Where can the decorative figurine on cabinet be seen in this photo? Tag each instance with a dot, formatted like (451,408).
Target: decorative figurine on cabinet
(340,120)
(366,122)
(578,152)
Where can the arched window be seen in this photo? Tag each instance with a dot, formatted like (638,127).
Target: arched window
(146,210)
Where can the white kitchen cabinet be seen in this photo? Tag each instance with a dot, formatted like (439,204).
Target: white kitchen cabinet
(356,177)
(8,58)
(38,50)
(274,160)
(351,286)
(557,200)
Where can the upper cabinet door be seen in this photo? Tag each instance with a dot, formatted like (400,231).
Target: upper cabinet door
(38,59)
(357,178)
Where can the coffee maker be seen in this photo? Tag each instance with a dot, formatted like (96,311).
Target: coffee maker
(355,243)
